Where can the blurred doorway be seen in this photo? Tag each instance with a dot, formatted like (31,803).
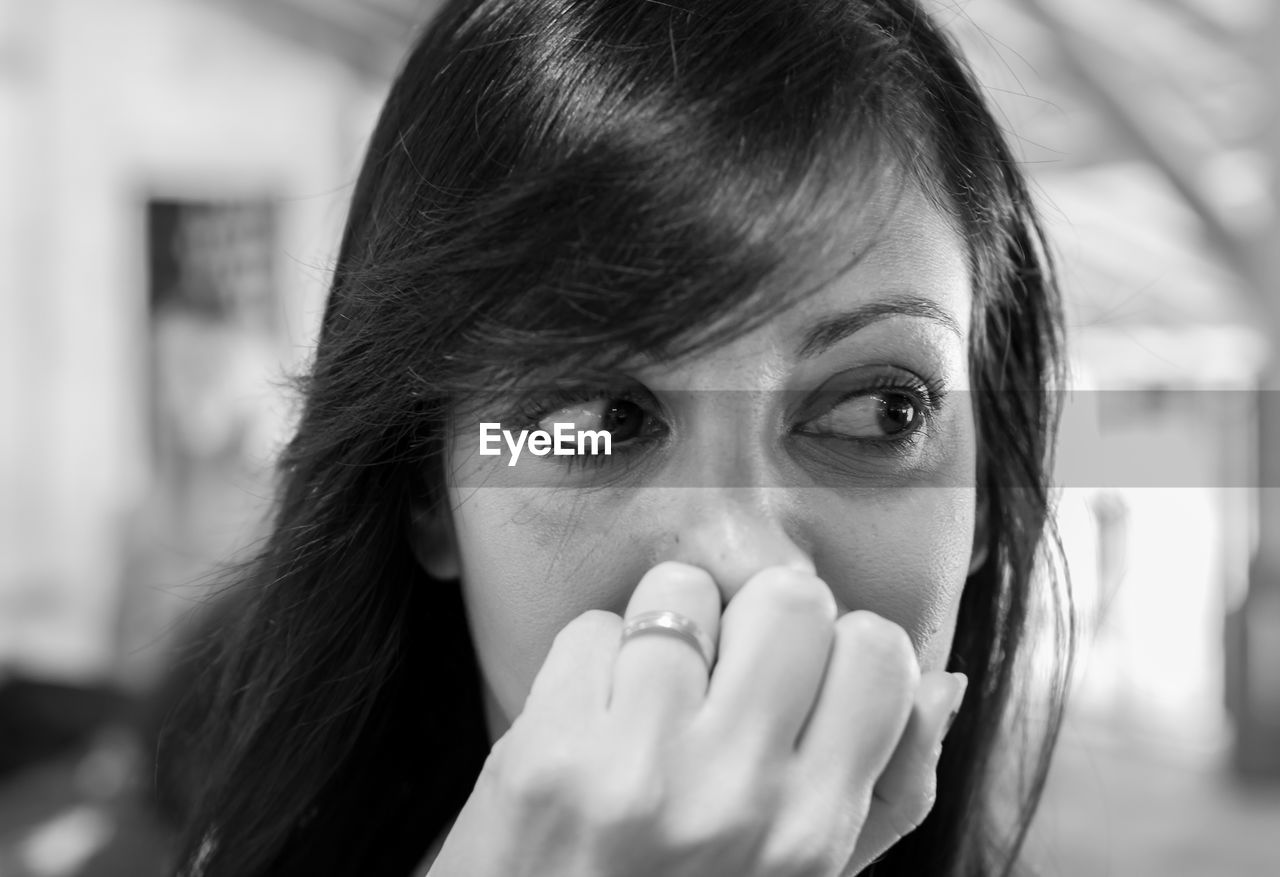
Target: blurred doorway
(212,383)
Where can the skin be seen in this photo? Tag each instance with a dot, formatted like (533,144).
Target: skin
(808,555)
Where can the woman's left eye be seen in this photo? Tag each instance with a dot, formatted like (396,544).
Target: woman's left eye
(878,415)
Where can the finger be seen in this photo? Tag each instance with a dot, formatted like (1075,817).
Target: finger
(577,674)
(658,676)
(775,639)
(864,704)
(905,792)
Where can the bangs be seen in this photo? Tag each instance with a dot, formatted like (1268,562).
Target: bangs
(607,181)
(623,259)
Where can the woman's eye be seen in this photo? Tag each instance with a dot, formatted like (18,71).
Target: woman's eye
(883,415)
(621,418)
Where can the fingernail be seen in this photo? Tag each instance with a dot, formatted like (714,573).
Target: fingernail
(960,683)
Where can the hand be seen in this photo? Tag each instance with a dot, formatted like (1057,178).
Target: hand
(810,750)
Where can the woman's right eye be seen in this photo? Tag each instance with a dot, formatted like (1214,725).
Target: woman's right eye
(623,418)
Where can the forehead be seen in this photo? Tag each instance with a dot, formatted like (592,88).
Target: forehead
(895,242)
(892,260)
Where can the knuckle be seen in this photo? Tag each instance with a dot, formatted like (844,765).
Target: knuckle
(586,639)
(589,627)
(621,800)
(732,812)
(880,640)
(555,780)
(537,781)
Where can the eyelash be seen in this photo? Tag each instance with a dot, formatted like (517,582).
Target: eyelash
(925,392)
(532,412)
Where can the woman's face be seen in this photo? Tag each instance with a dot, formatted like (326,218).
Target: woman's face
(839,434)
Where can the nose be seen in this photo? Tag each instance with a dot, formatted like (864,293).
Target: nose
(734,533)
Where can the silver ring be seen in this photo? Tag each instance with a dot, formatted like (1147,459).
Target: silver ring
(677,625)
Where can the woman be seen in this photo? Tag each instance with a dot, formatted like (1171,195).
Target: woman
(781,255)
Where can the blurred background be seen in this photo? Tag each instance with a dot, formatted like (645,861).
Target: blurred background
(173,178)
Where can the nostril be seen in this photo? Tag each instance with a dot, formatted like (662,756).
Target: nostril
(734,534)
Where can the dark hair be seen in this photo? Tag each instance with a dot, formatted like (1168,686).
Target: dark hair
(559,184)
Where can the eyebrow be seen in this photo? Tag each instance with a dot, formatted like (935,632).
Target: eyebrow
(832,330)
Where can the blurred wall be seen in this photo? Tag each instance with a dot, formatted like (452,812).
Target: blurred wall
(103,106)
(1143,128)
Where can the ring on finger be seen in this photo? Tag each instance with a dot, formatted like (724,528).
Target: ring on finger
(670,623)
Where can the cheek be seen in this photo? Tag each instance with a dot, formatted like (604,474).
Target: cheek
(531,562)
(903,554)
